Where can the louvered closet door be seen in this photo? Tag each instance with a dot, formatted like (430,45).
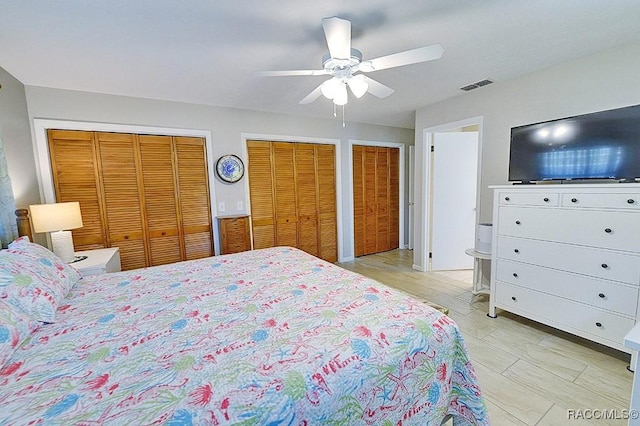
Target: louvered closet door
(358,200)
(394,198)
(193,193)
(122,197)
(370,202)
(293,196)
(261,194)
(75,178)
(147,195)
(376,199)
(160,199)
(382,199)
(307,199)
(284,180)
(327,207)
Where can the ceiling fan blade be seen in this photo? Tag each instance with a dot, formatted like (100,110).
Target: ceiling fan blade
(338,34)
(408,57)
(290,72)
(315,94)
(377,89)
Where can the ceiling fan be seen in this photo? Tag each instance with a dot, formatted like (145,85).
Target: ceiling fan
(346,66)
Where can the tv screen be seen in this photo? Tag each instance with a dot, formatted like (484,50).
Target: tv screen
(600,145)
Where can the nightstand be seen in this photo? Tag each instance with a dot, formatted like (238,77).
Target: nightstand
(98,261)
(235,234)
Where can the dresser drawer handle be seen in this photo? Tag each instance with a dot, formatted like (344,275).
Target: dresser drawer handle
(546,200)
(163,233)
(516,251)
(604,266)
(631,201)
(507,198)
(517,222)
(598,324)
(513,298)
(608,230)
(126,237)
(515,275)
(601,296)
(574,200)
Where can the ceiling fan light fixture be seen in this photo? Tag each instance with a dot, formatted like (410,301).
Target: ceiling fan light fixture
(330,88)
(341,97)
(358,85)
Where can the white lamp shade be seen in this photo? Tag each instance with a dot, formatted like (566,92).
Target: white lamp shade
(358,85)
(56,217)
(341,96)
(330,87)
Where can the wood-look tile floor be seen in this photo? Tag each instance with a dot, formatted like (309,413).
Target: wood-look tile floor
(530,374)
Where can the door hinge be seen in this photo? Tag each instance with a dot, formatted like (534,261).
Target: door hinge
(430,255)
(432,148)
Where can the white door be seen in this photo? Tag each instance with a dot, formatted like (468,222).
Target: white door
(412,160)
(454,186)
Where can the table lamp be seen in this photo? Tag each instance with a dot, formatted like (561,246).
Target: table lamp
(58,219)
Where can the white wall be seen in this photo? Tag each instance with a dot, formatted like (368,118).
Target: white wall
(227,127)
(594,83)
(16,134)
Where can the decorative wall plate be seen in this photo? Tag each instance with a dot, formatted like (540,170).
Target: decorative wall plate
(230,168)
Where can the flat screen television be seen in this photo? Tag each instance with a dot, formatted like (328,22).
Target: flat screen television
(600,145)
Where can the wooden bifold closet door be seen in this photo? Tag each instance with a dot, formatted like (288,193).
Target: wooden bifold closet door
(146,194)
(293,196)
(376,199)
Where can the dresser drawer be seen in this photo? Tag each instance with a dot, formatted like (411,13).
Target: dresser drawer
(607,229)
(563,313)
(600,293)
(602,200)
(528,199)
(605,264)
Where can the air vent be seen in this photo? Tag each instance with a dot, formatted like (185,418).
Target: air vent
(476,85)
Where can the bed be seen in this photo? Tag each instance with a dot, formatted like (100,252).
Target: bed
(265,337)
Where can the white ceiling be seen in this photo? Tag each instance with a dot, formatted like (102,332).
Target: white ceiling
(209,51)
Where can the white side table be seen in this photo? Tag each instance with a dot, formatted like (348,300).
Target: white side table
(480,286)
(98,261)
(632,341)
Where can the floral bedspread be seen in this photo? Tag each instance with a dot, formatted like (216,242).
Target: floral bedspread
(265,337)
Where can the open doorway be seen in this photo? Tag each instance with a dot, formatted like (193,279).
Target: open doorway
(450,177)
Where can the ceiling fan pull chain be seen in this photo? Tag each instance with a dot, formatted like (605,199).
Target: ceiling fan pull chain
(334,111)
(343,124)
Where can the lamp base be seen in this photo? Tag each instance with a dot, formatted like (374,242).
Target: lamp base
(62,242)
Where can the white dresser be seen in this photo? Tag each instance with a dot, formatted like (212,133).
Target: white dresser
(568,256)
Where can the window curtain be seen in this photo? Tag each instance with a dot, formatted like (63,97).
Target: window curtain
(8,225)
